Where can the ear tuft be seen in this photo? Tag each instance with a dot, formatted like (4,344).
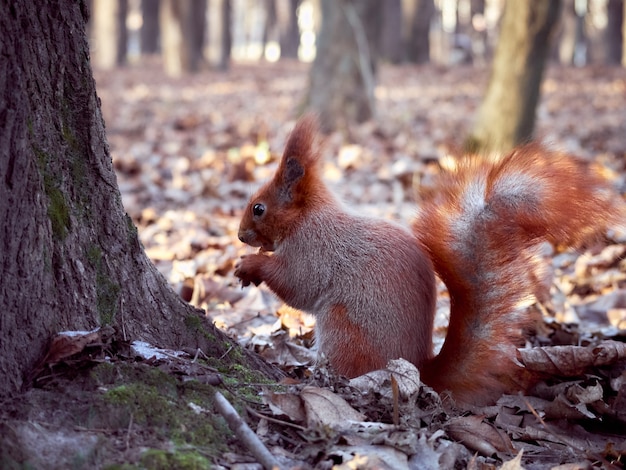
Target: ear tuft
(301,144)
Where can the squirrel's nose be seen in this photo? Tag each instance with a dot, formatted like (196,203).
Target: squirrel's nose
(240,236)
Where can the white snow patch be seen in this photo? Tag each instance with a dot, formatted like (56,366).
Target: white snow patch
(147,351)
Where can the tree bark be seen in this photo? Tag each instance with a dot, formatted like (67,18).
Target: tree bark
(572,35)
(289,31)
(624,35)
(613,33)
(122,33)
(182,25)
(418,43)
(391,38)
(226,36)
(507,114)
(110,37)
(150,26)
(70,258)
(343,75)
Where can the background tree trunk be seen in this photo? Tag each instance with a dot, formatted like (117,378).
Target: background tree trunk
(289,30)
(182,24)
(572,35)
(507,114)
(227,35)
(70,258)
(418,42)
(122,33)
(624,35)
(343,75)
(391,37)
(613,33)
(110,37)
(150,26)
(271,23)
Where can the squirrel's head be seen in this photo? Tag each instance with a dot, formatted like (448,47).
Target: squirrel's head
(278,207)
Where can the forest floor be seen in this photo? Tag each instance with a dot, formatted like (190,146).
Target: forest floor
(189,152)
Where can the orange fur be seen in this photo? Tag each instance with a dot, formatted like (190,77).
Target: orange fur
(370,283)
(484,228)
(335,264)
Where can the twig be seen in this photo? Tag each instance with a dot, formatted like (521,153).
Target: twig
(243,432)
(274,420)
(130,426)
(226,353)
(122,315)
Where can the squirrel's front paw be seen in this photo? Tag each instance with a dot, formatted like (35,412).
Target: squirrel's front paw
(246,270)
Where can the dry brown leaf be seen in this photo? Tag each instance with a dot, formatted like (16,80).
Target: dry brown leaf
(478,435)
(597,310)
(406,375)
(374,457)
(286,404)
(67,344)
(570,361)
(327,409)
(514,464)
(288,354)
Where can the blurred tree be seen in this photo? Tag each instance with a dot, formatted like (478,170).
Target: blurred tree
(613,33)
(271,22)
(150,26)
(343,75)
(226,42)
(391,38)
(219,34)
(418,42)
(289,30)
(478,32)
(109,34)
(70,255)
(624,36)
(182,26)
(571,34)
(507,114)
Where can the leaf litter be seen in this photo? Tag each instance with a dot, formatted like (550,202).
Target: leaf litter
(189,152)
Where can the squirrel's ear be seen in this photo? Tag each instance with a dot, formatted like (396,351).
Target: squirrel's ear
(300,157)
(293,171)
(302,142)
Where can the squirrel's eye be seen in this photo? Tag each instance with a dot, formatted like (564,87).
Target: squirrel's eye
(258,209)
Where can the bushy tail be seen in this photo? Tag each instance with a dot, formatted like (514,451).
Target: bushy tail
(484,229)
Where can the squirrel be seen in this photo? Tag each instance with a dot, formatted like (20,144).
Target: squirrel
(370,283)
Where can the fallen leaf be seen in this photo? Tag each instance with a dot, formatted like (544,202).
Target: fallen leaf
(478,435)
(405,373)
(568,361)
(327,409)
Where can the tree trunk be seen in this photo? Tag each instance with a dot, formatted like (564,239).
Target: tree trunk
(150,26)
(613,33)
(289,30)
(110,37)
(343,75)
(391,39)
(220,34)
(122,33)
(226,36)
(507,114)
(70,257)
(182,24)
(624,36)
(572,35)
(418,47)
(271,22)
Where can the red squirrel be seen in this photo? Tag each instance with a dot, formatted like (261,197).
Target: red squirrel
(370,283)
